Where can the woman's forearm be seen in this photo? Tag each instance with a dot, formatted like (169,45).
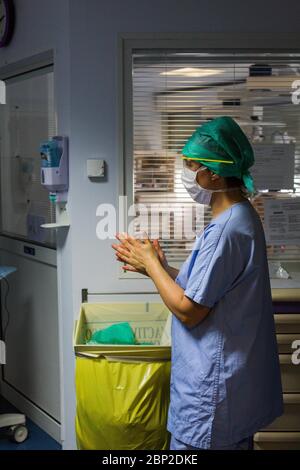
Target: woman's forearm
(170,292)
(173,272)
(142,257)
(188,312)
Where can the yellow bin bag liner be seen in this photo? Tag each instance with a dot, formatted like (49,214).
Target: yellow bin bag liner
(122,392)
(122,405)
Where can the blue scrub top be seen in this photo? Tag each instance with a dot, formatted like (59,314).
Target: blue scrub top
(225,379)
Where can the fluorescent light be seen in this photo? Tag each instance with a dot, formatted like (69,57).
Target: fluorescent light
(192,72)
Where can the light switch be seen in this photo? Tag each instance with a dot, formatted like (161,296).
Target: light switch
(95,168)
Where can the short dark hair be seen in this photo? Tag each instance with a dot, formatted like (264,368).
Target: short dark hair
(233,181)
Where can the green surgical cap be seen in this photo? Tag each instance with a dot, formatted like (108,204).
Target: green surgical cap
(222,146)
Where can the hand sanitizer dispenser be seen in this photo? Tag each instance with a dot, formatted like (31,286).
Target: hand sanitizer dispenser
(55,176)
(54,168)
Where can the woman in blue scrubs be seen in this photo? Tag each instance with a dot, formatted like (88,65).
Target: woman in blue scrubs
(225,378)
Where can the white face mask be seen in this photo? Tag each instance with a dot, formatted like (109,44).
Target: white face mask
(199,194)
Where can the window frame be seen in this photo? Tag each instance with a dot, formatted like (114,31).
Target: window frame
(29,67)
(205,42)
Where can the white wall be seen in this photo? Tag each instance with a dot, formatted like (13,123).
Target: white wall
(86,78)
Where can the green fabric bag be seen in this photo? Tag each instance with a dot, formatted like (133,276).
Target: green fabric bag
(120,333)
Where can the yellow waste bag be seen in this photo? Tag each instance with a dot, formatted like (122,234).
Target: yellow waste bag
(122,405)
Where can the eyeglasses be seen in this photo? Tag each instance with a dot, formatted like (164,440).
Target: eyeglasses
(206,160)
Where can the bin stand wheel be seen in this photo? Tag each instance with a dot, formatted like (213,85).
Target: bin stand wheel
(19,433)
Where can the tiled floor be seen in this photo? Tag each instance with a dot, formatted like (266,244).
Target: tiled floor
(37,439)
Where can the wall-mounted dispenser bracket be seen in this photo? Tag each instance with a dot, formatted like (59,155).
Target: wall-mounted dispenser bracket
(55,177)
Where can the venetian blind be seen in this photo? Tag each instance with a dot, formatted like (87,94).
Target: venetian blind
(175,92)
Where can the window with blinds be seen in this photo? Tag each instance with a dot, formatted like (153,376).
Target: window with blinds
(26,120)
(174,92)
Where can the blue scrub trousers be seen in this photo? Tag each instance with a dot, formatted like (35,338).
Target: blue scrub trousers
(244,444)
